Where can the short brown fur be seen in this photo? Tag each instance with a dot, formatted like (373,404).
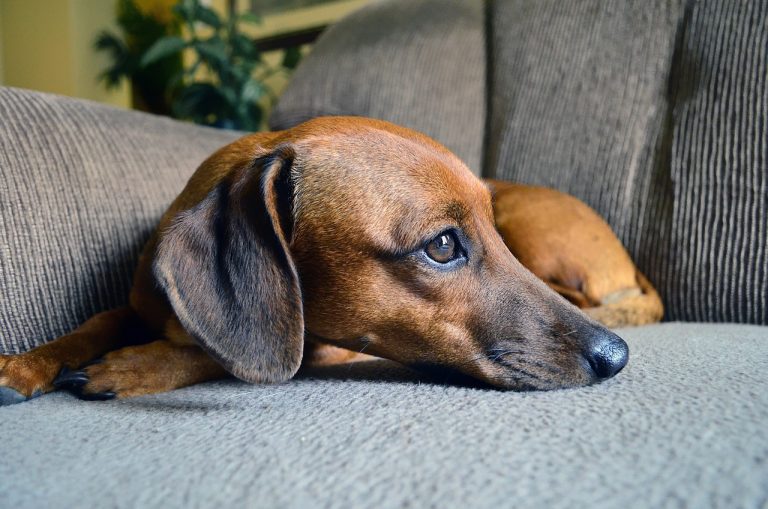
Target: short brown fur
(343,262)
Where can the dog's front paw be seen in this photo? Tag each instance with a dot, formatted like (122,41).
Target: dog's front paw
(114,376)
(24,377)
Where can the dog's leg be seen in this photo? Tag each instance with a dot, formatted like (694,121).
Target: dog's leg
(31,374)
(572,249)
(146,369)
(318,354)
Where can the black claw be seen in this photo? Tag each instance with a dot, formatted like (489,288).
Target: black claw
(98,396)
(67,379)
(93,362)
(74,382)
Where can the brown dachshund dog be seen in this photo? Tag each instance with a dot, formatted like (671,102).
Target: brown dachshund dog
(358,234)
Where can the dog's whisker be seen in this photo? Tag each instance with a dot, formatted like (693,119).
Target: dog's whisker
(366,345)
(518,375)
(543,365)
(472,360)
(520,383)
(503,353)
(527,373)
(526,383)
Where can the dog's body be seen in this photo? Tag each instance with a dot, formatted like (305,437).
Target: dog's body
(362,235)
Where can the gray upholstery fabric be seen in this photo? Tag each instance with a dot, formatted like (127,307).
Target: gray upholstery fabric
(418,64)
(652,112)
(656,116)
(82,187)
(579,103)
(682,426)
(718,263)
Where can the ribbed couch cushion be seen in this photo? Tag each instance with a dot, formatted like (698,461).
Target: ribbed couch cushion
(579,103)
(81,189)
(717,268)
(655,115)
(420,64)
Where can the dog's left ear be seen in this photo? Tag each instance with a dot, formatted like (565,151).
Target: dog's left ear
(227,271)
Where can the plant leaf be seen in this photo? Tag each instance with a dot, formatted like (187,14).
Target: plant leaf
(229,95)
(251,92)
(249,17)
(122,65)
(245,46)
(200,102)
(255,115)
(212,50)
(164,47)
(292,57)
(208,16)
(185,9)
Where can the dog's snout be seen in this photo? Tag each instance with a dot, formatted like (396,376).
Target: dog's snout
(606,353)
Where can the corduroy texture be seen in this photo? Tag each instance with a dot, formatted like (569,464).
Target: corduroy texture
(82,187)
(684,425)
(657,117)
(655,113)
(718,263)
(579,103)
(420,64)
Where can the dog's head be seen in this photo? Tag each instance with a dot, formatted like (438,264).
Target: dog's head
(367,235)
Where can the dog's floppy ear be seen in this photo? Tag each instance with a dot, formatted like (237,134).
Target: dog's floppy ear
(227,271)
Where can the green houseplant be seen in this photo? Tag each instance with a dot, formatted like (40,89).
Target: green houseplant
(222,82)
(142,22)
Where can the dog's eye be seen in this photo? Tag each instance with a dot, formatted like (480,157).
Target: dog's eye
(443,248)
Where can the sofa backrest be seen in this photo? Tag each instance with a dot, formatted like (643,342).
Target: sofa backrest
(82,187)
(655,113)
(420,64)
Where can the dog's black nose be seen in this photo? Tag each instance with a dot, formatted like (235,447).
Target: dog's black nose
(606,353)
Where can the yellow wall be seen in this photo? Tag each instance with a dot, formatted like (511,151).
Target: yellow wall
(292,20)
(1,44)
(295,19)
(87,19)
(47,45)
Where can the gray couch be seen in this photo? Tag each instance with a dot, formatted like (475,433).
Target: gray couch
(626,106)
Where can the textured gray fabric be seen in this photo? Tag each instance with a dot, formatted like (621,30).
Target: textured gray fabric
(657,117)
(718,268)
(420,64)
(654,113)
(682,426)
(579,103)
(82,185)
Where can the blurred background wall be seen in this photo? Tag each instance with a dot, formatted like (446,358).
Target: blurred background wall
(47,45)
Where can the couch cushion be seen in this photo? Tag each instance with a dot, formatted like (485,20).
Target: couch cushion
(682,426)
(82,187)
(657,116)
(579,103)
(717,268)
(417,63)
